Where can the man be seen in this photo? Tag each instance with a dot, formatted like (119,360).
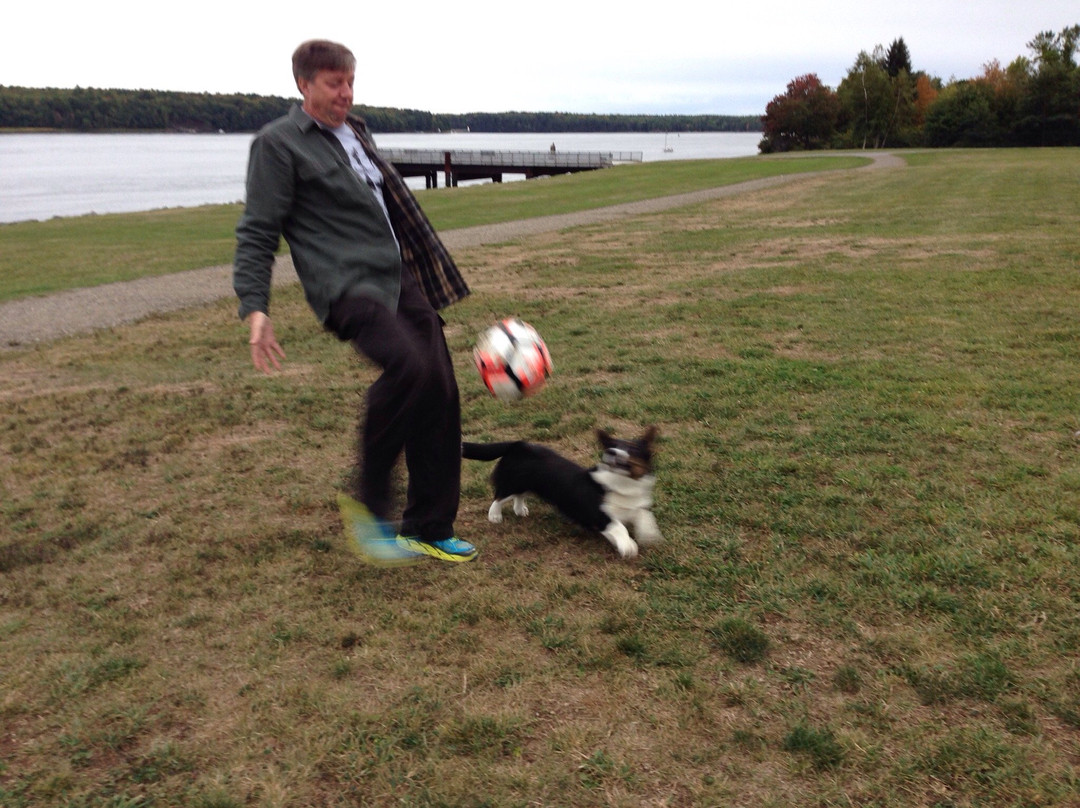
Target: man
(375,273)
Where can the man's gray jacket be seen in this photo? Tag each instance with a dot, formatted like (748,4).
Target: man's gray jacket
(300,185)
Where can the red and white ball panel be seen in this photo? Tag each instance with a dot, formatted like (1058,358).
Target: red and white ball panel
(512,359)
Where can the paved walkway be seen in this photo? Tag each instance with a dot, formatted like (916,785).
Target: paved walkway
(79,311)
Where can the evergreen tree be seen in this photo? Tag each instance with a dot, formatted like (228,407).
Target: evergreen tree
(1049,113)
(897,59)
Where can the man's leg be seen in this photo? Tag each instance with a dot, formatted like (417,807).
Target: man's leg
(433,445)
(413,406)
(376,333)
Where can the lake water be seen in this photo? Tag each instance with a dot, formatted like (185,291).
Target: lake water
(66,174)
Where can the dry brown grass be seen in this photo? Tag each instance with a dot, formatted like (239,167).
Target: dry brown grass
(866,468)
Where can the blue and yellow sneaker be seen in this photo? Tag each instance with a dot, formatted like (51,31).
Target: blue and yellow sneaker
(453,549)
(371,538)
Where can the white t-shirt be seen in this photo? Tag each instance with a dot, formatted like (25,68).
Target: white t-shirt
(362,165)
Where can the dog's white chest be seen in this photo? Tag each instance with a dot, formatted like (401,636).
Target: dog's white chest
(624,496)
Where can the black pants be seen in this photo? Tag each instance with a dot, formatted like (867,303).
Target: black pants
(412,407)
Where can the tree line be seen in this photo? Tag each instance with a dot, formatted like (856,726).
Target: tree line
(86,109)
(884,102)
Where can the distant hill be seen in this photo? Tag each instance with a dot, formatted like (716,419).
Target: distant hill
(96,110)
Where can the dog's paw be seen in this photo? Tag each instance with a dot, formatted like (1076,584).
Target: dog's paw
(617,534)
(520,508)
(627,549)
(495,512)
(646,531)
(649,539)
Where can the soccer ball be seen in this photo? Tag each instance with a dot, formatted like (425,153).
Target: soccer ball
(512,359)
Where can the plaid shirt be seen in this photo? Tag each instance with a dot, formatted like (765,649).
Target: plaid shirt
(421,249)
(300,185)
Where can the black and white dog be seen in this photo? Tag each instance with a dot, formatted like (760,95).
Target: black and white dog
(610,497)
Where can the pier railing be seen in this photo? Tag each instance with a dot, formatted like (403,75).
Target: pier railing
(521,159)
(484,164)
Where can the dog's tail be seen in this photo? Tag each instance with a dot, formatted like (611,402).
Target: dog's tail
(485,451)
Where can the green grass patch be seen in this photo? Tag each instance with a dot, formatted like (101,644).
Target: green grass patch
(38,258)
(869,486)
(489,204)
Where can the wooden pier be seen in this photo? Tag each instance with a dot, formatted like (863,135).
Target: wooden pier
(460,165)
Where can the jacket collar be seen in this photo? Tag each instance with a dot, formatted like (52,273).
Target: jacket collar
(303,121)
(306,123)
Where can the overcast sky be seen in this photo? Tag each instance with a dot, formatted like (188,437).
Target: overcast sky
(660,57)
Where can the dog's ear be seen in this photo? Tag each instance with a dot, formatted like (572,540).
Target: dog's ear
(650,435)
(606,440)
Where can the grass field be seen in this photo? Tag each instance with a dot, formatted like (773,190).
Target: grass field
(869,484)
(42,257)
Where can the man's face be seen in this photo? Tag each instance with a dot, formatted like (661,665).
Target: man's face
(328,96)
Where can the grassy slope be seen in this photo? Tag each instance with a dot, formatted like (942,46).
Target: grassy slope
(41,257)
(869,487)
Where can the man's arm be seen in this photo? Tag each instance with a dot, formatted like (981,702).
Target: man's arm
(258,234)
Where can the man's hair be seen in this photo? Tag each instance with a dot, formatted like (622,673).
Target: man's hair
(320,54)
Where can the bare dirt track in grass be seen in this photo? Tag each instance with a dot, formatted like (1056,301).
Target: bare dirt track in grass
(25,322)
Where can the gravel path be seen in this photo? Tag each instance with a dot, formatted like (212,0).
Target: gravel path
(78,311)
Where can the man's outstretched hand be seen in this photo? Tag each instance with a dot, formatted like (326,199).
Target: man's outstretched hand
(265,351)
